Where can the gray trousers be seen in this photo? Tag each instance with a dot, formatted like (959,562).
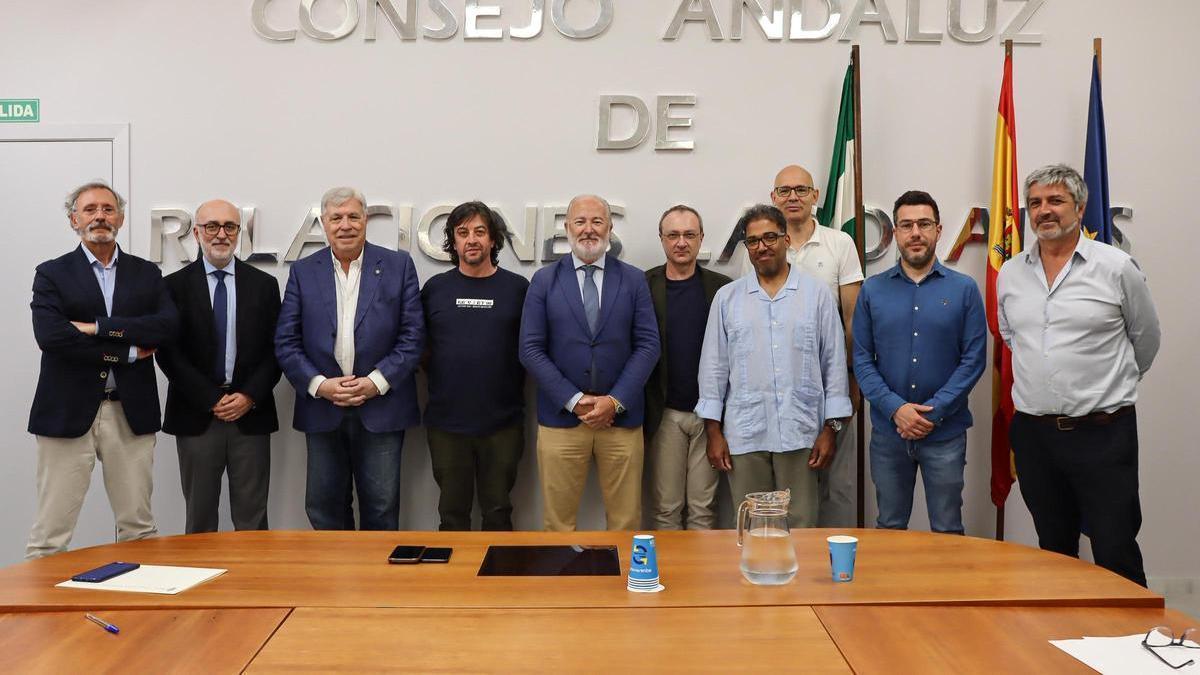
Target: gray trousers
(770,471)
(680,474)
(202,461)
(836,483)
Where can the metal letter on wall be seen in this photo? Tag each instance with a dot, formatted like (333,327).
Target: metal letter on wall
(859,15)
(305,235)
(258,19)
(347,27)
(833,17)
(471,30)
(666,122)
(977,216)
(772,28)
(912,25)
(405,27)
(1012,31)
(558,14)
(1119,239)
(685,13)
(424,238)
(954,22)
(523,244)
(173,238)
(248,245)
(449,27)
(537,11)
(381,209)
(604,139)
(884,222)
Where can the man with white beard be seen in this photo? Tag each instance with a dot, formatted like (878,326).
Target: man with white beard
(589,338)
(99,313)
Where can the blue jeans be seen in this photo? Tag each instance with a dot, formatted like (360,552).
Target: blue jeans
(894,463)
(352,454)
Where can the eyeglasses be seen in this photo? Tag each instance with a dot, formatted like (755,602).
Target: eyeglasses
(925,225)
(784,191)
(212,228)
(768,238)
(1161,637)
(676,236)
(92,209)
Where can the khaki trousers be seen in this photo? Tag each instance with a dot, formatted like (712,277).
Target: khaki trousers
(680,473)
(769,471)
(837,482)
(564,456)
(65,471)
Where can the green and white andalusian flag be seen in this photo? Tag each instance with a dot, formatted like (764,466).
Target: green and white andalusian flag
(838,209)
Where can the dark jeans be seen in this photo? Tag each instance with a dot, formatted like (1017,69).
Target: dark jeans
(1088,474)
(353,455)
(463,464)
(894,463)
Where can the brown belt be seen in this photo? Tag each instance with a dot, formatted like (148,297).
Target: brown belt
(1096,419)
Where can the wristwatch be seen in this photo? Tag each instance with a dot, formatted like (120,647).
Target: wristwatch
(836,425)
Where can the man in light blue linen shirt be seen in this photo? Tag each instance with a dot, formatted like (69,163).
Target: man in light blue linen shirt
(773,380)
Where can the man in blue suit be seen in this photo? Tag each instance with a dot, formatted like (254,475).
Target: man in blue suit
(589,337)
(98,314)
(349,338)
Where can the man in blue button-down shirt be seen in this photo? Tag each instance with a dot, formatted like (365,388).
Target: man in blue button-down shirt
(773,381)
(919,348)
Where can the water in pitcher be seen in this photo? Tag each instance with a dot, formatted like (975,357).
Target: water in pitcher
(768,557)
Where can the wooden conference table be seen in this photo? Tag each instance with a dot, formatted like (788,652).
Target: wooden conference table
(326,601)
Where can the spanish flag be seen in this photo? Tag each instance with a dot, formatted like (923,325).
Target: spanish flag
(1004,240)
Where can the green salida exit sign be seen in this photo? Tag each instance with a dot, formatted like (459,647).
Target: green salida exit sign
(20,109)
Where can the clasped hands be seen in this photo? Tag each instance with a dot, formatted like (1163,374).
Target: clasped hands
(910,423)
(347,391)
(90,328)
(598,412)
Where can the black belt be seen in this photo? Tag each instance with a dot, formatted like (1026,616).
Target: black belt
(1096,419)
(226,388)
(111,395)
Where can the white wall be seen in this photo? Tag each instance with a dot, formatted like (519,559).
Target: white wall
(216,110)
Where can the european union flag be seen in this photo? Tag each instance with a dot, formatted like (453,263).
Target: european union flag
(1097,218)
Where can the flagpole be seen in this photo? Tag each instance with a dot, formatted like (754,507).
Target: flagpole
(1008,46)
(860,247)
(1096,44)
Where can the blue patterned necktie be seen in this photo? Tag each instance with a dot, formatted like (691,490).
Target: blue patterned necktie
(591,297)
(220,321)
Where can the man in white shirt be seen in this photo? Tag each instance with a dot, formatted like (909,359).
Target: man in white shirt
(1083,331)
(349,339)
(830,256)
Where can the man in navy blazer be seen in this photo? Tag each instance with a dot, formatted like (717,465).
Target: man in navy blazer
(349,337)
(589,337)
(98,314)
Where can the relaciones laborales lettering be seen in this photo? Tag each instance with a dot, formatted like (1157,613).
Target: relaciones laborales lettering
(801,21)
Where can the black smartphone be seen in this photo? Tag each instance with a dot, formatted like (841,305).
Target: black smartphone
(436,555)
(105,572)
(406,555)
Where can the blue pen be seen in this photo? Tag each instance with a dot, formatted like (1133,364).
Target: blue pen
(103,624)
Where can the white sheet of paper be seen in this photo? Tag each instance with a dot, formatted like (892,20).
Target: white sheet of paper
(161,579)
(1125,655)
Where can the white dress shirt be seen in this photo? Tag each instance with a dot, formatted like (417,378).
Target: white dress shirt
(1082,344)
(347,284)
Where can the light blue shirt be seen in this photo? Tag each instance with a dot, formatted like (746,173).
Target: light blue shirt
(231,311)
(581,276)
(774,369)
(106,276)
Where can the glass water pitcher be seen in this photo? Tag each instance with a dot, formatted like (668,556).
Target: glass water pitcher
(768,557)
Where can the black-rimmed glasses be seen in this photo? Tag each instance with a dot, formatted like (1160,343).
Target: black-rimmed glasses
(1161,637)
(785,191)
(768,238)
(212,228)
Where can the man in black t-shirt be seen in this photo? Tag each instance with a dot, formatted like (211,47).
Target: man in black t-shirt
(475,414)
(682,292)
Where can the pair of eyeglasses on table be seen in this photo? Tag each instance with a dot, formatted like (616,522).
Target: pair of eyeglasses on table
(1163,638)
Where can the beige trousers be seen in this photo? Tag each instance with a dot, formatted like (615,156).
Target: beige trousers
(769,471)
(680,473)
(64,474)
(564,456)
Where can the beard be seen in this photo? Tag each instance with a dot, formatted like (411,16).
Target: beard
(99,233)
(769,266)
(589,250)
(917,259)
(1058,232)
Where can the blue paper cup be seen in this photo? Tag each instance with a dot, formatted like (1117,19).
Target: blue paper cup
(643,565)
(842,550)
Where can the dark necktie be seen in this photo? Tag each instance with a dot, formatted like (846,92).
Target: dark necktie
(220,321)
(591,297)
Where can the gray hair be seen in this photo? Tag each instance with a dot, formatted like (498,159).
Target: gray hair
(340,195)
(73,198)
(1059,174)
(602,200)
